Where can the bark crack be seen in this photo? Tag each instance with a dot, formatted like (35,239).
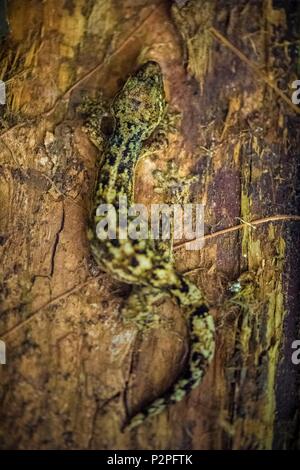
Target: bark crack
(56,241)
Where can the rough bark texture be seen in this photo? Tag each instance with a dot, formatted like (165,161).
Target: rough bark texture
(73,370)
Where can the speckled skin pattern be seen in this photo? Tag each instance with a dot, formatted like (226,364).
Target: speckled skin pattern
(145,264)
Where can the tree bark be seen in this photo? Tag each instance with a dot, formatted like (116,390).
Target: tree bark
(74,371)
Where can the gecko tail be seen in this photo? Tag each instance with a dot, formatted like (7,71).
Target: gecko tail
(200,355)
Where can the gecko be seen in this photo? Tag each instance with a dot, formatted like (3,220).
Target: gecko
(145,264)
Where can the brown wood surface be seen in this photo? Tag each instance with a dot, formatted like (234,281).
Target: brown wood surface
(73,370)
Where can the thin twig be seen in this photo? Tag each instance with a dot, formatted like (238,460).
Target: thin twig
(65,294)
(274,218)
(46,305)
(245,222)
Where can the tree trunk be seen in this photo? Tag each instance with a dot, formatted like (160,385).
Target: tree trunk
(73,370)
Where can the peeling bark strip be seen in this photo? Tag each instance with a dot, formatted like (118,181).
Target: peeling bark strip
(73,371)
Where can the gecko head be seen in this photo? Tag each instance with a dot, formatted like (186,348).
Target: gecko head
(140,105)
